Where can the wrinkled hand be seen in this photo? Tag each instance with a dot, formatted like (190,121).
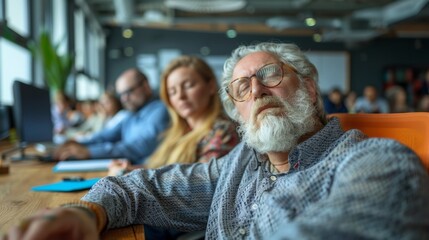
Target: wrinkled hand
(58,223)
(71,149)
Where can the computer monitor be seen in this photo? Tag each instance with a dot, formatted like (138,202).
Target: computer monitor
(5,123)
(32,115)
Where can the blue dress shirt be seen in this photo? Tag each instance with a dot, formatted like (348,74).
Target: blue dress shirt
(362,105)
(135,138)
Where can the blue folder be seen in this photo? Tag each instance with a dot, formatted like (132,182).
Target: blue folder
(66,186)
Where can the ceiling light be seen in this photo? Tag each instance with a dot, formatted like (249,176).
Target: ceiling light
(205,51)
(129,51)
(127,33)
(211,6)
(231,33)
(317,37)
(310,21)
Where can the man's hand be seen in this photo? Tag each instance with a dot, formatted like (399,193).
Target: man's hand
(58,223)
(119,167)
(71,149)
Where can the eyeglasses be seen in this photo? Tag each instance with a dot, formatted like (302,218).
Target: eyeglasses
(129,91)
(270,75)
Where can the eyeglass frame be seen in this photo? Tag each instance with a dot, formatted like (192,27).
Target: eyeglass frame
(249,79)
(130,90)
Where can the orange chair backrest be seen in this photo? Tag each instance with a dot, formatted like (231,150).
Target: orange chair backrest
(411,129)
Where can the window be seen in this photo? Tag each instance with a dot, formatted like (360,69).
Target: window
(60,25)
(17,16)
(12,68)
(86,88)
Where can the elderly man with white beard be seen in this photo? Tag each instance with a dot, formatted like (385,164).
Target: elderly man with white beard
(295,176)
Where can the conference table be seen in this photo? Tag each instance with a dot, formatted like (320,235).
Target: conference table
(17,201)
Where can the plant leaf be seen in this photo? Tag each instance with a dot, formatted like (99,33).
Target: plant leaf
(56,67)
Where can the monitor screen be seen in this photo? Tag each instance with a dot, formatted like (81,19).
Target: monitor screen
(5,124)
(32,113)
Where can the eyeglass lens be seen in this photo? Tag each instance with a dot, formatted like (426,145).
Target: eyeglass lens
(128,91)
(270,76)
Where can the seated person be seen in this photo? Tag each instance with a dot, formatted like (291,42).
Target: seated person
(334,102)
(199,129)
(111,111)
(93,121)
(350,101)
(397,98)
(64,116)
(423,105)
(136,137)
(112,108)
(295,176)
(370,102)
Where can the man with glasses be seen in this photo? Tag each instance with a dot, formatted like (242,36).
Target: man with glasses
(296,176)
(137,136)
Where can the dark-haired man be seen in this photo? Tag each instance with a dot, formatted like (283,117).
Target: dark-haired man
(137,136)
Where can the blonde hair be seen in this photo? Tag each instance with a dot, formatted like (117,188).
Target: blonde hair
(179,144)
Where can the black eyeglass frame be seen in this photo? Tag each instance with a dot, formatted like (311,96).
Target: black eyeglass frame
(249,79)
(130,90)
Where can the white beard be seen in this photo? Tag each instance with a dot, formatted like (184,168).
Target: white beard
(279,132)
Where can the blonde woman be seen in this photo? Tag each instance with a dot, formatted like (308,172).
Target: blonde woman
(199,130)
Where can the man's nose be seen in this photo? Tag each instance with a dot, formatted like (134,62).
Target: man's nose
(124,98)
(258,89)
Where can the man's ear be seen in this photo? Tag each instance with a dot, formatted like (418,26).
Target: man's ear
(147,88)
(311,89)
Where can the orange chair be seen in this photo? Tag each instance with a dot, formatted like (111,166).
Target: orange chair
(411,129)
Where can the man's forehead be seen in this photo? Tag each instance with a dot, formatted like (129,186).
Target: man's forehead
(249,64)
(124,82)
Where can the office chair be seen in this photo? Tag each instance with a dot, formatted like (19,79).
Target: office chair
(411,129)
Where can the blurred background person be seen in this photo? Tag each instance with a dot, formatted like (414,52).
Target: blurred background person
(93,120)
(110,112)
(350,101)
(389,79)
(397,98)
(370,102)
(424,89)
(64,116)
(199,129)
(137,136)
(423,105)
(112,108)
(412,86)
(334,102)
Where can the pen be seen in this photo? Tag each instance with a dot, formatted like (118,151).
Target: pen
(73,179)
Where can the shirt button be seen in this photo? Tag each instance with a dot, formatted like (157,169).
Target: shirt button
(255,206)
(273,178)
(242,231)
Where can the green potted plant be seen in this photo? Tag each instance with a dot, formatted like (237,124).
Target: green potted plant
(56,67)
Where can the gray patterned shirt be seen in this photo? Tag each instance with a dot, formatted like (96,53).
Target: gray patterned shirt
(341,185)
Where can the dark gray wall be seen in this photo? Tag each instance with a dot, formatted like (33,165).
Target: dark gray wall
(367,60)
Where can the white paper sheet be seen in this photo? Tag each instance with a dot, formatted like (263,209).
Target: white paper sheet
(83,165)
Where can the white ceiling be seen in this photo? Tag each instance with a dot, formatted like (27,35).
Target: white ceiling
(336,20)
